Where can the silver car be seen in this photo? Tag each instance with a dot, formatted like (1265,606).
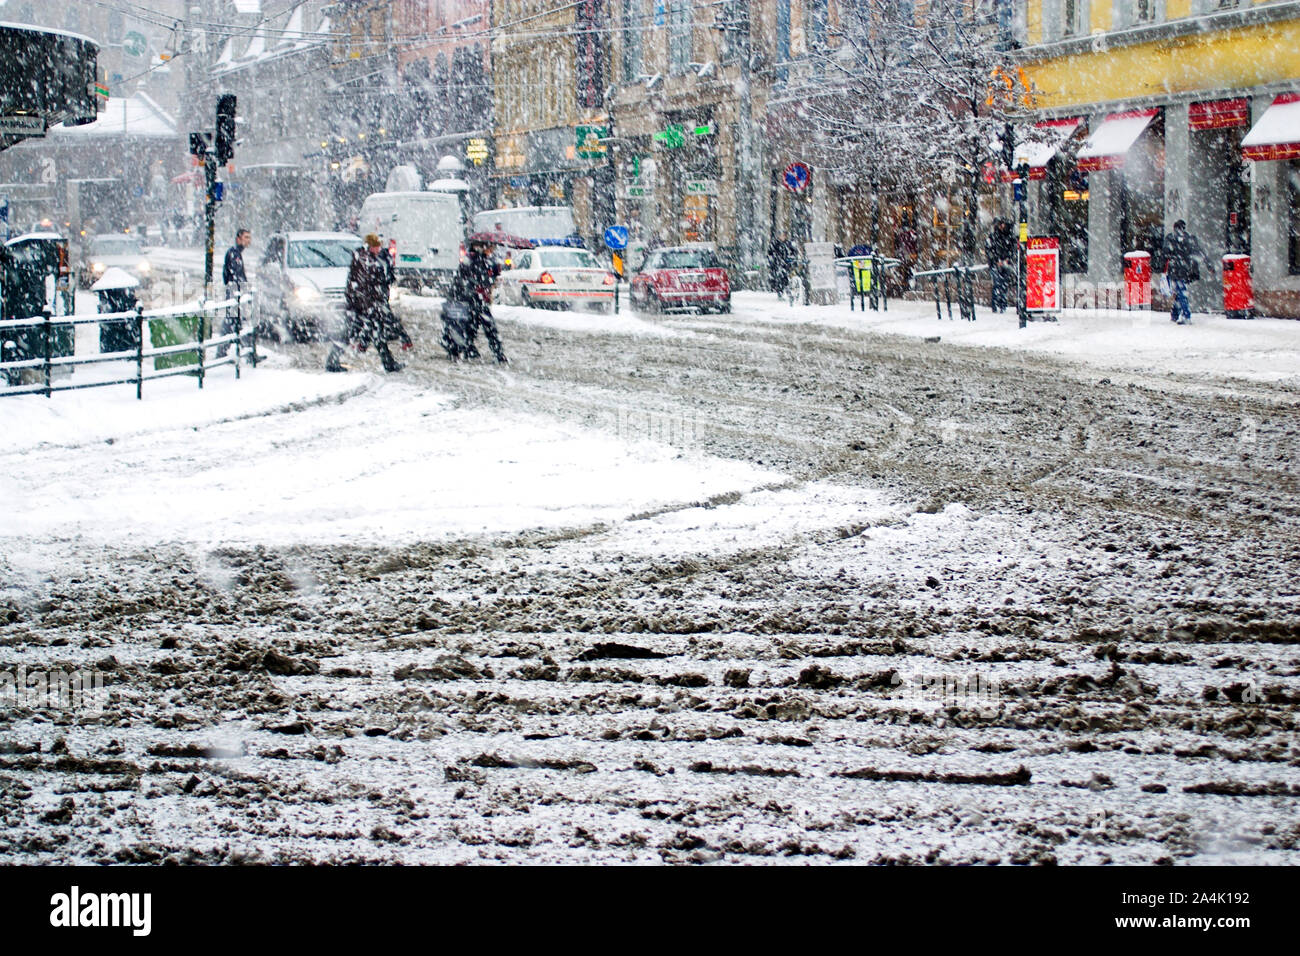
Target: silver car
(299,282)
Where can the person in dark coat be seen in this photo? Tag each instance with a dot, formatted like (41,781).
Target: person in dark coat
(780,261)
(1001,249)
(1181,252)
(370,319)
(473,285)
(235,279)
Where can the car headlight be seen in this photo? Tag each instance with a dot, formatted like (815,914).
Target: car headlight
(143,267)
(97,267)
(305,293)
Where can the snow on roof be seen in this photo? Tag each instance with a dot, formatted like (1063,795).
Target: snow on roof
(227,52)
(1047,139)
(1111,141)
(1277,133)
(248,6)
(292,35)
(136,115)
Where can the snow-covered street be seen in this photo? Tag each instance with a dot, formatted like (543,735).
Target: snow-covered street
(777,586)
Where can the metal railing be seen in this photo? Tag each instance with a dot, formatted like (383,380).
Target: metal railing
(47,326)
(960,277)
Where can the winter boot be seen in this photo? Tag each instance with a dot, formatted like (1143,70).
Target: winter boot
(332,363)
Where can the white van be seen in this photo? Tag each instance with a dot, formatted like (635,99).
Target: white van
(427,227)
(545,225)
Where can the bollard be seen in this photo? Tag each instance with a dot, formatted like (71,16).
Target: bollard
(139,351)
(49,346)
(203,316)
(616,296)
(239,331)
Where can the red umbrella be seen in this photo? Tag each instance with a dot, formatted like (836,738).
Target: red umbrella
(496,237)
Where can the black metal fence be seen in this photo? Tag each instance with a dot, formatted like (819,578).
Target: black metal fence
(36,351)
(954,279)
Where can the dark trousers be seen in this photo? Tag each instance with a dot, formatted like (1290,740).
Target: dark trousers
(483,320)
(1001,276)
(228,318)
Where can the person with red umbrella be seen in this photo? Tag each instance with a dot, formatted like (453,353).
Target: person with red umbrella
(473,286)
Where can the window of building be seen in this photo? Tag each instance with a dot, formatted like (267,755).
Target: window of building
(1144,11)
(1293,216)
(632,27)
(782,38)
(1072,23)
(679,36)
(818,23)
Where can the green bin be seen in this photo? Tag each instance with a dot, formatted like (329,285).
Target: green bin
(176,330)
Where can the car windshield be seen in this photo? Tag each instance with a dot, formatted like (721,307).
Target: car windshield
(687,259)
(572,258)
(321,253)
(116,247)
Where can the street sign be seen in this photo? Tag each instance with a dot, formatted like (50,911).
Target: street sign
(672,137)
(616,237)
(590,141)
(134,44)
(637,192)
(22,125)
(796,177)
(700,187)
(476,150)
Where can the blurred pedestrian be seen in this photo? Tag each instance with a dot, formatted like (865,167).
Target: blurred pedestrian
(235,278)
(1181,252)
(476,276)
(370,318)
(1001,250)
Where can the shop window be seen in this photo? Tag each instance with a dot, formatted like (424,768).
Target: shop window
(679,37)
(1293,216)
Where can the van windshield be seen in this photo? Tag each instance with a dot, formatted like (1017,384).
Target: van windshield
(531,222)
(321,253)
(116,247)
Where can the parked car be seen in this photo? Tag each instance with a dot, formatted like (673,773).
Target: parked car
(109,250)
(556,278)
(682,278)
(299,283)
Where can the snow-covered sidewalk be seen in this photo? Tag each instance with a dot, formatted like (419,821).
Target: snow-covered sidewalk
(392,463)
(1261,349)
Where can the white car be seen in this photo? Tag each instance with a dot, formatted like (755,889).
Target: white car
(300,279)
(113,250)
(556,278)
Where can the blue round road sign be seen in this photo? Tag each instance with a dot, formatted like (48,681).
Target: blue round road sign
(616,237)
(796,177)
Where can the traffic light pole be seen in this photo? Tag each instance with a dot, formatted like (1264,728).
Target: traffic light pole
(209,218)
(1022,214)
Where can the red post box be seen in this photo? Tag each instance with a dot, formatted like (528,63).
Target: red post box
(1238,290)
(1137,280)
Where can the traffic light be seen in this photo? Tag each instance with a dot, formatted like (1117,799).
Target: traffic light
(225,146)
(199,143)
(1008,139)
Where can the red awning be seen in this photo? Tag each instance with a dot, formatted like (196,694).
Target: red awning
(1110,142)
(1277,134)
(1219,114)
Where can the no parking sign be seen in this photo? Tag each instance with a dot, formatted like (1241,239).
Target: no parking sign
(796,177)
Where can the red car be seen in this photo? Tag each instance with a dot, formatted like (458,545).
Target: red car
(682,278)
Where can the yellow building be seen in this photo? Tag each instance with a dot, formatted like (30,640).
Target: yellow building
(549,77)
(1185,109)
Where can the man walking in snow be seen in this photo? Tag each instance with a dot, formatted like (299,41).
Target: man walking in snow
(234,277)
(370,317)
(1181,252)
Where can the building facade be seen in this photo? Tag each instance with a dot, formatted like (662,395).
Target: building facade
(1177,109)
(550,74)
